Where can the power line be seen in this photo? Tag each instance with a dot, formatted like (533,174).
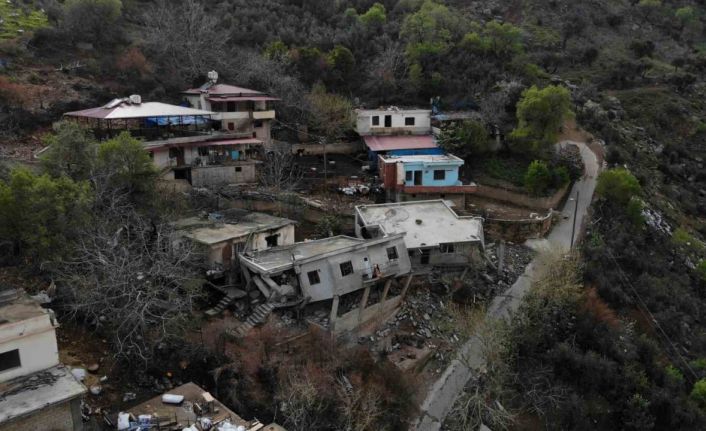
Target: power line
(648,314)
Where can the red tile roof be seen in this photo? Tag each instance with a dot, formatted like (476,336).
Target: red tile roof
(404,142)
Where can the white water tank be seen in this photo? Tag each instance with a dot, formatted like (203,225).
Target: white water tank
(135,99)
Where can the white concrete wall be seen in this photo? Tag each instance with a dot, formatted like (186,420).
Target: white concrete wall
(160,158)
(286,237)
(215,252)
(364,122)
(36,340)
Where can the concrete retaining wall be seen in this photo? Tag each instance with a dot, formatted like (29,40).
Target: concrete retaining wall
(518,231)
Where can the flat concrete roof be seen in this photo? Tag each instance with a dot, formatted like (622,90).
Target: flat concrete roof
(393,110)
(184,412)
(21,308)
(277,258)
(24,395)
(424,158)
(426,223)
(236,223)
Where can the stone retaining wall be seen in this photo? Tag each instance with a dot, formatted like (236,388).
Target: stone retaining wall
(521,199)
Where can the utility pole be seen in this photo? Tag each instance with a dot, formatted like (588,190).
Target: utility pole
(573,227)
(323,142)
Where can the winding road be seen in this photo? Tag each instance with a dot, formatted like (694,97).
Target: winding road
(444,392)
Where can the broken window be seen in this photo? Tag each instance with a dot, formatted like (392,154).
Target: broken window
(272,240)
(446,248)
(408,176)
(409,121)
(439,174)
(376,120)
(313,277)
(392,253)
(346,268)
(10,360)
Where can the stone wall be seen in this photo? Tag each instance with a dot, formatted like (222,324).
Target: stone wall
(337,148)
(60,417)
(518,230)
(521,199)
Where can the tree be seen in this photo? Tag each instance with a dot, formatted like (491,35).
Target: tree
(124,165)
(540,114)
(685,15)
(538,177)
(430,30)
(330,115)
(501,40)
(129,278)
(341,63)
(618,185)
(375,16)
(184,40)
(280,171)
(468,139)
(649,7)
(91,20)
(72,151)
(41,214)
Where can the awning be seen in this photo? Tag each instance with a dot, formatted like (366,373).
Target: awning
(242,99)
(404,142)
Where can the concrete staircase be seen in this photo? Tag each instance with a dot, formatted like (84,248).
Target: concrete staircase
(257,317)
(228,298)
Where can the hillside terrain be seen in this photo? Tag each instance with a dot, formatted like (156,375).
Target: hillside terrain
(614,338)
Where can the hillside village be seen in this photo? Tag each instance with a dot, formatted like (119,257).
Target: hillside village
(355,215)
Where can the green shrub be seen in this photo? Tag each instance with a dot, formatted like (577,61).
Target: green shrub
(561,176)
(674,373)
(538,178)
(698,393)
(618,185)
(470,138)
(701,270)
(682,238)
(540,115)
(634,211)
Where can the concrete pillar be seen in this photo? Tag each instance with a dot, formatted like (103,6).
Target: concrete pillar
(363,303)
(406,285)
(334,313)
(385,291)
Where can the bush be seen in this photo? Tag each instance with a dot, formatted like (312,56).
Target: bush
(618,185)
(701,270)
(538,177)
(698,393)
(468,139)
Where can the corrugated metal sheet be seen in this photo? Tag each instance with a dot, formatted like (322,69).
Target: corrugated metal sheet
(404,142)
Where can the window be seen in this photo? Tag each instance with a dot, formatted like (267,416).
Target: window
(238,169)
(10,360)
(231,126)
(408,176)
(409,121)
(231,106)
(392,253)
(346,268)
(446,248)
(376,120)
(388,120)
(313,277)
(272,240)
(257,124)
(439,175)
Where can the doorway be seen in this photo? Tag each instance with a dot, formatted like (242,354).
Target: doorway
(388,120)
(417,178)
(425,256)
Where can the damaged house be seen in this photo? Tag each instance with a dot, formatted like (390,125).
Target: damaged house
(435,235)
(227,233)
(329,270)
(37,392)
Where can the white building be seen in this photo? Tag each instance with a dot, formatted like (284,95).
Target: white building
(434,234)
(239,110)
(36,391)
(393,121)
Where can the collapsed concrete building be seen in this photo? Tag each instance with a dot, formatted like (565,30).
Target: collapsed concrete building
(436,236)
(328,270)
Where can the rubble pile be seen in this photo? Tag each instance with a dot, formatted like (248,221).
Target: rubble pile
(427,319)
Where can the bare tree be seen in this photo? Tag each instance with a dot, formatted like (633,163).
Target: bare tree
(132,278)
(184,38)
(280,172)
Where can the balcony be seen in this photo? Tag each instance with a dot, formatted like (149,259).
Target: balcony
(263,115)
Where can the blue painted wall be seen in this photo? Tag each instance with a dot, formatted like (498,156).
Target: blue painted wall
(427,169)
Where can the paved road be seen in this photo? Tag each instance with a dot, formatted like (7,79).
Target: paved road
(449,386)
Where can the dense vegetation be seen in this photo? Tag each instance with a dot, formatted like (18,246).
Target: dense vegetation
(628,353)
